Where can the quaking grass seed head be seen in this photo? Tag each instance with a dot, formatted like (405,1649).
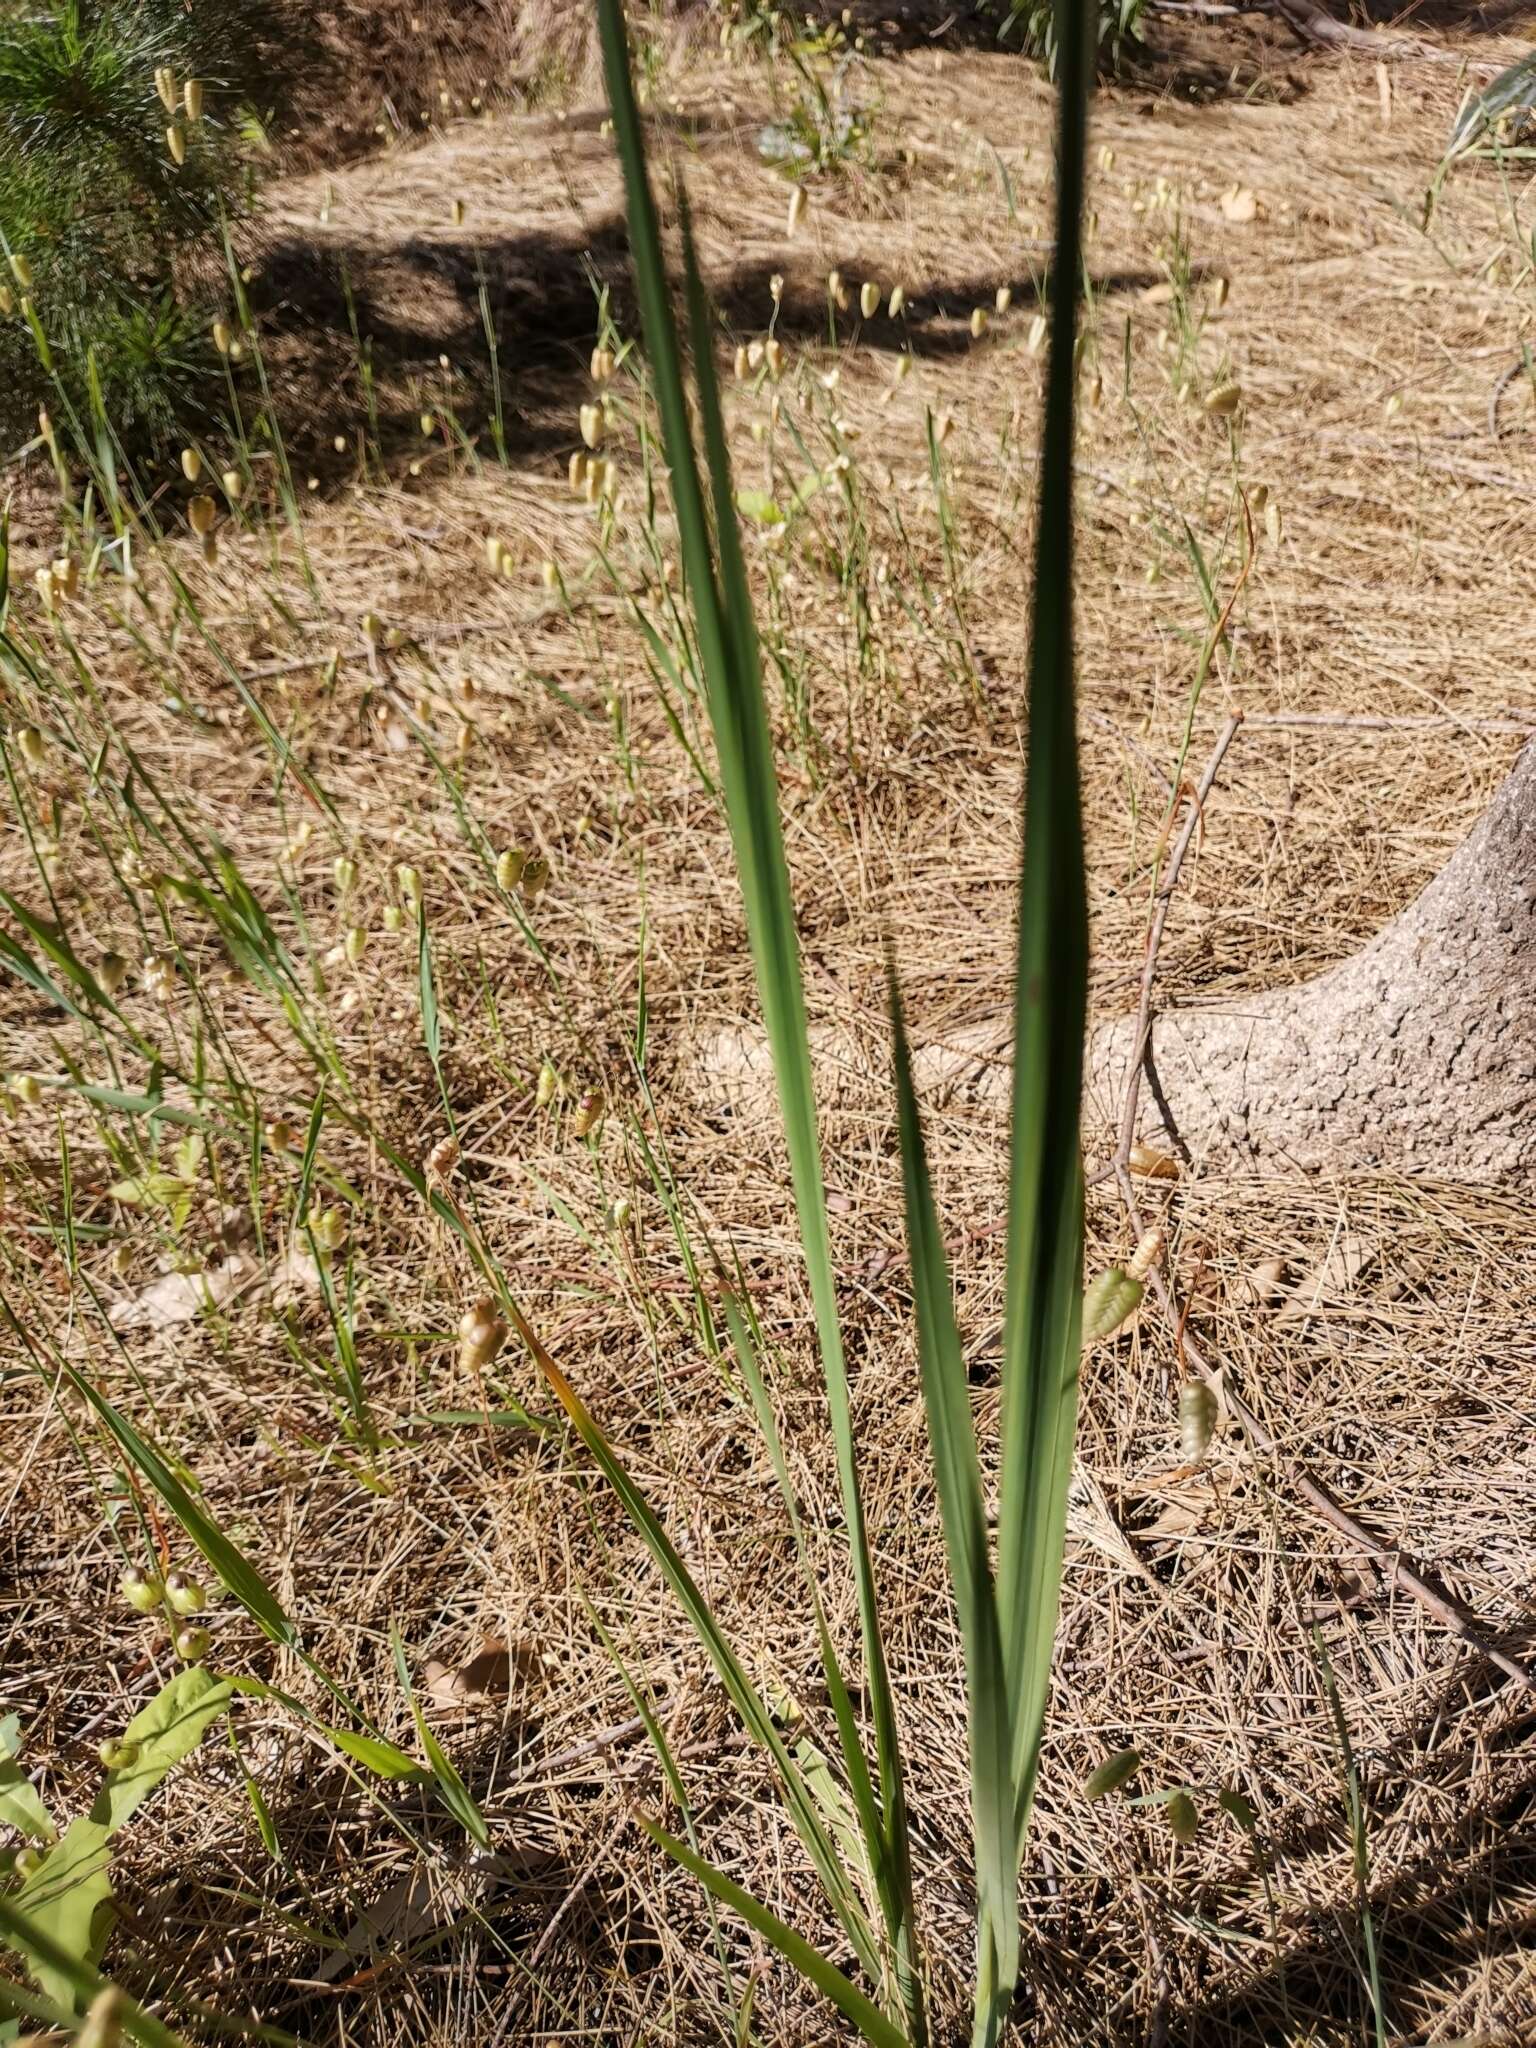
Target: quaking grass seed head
(1197,1420)
(482,1333)
(588,1114)
(176,143)
(355,944)
(192,98)
(142,1590)
(509,868)
(1109,1302)
(102,2026)
(111,972)
(548,1082)
(201,514)
(535,877)
(184,1594)
(443,1158)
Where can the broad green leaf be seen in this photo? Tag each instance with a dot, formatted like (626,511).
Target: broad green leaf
(232,1566)
(1115,1771)
(20,1805)
(147,1190)
(67,1900)
(165,1731)
(27,1937)
(374,1754)
(760,507)
(809,1962)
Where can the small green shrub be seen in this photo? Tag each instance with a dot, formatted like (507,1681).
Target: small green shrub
(1033,22)
(112,239)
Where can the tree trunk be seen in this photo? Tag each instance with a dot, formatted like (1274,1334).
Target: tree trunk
(1418,1052)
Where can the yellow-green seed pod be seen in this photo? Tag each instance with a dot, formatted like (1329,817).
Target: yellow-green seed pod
(234,485)
(549,574)
(28,1089)
(1197,1420)
(176,143)
(393,918)
(588,1113)
(47,589)
(1272,523)
(165,85)
(111,972)
(34,748)
(1115,1771)
(443,1158)
(223,338)
(1258,497)
(328,1228)
(210,548)
(620,1212)
(796,208)
(535,876)
(21,270)
(1224,401)
(1183,1821)
(978,322)
(773,357)
(408,881)
(1108,1302)
(776,287)
(344,874)
(192,98)
(869,299)
(191,465)
(142,1590)
(509,868)
(1004,297)
(428,425)
(201,514)
(191,1643)
(1039,328)
(158,975)
(482,1332)
(7,301)
(896,304)
(1220,287)
(576,471)
(280,1135)
(593,425)
(602,365)
(184,1594)
(115,1756)
(544,1093)
(355,944)
(740,366)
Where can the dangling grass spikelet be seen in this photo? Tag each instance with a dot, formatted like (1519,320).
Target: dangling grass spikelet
(1197,1420)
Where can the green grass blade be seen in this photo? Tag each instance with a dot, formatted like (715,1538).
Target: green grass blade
(1042,1303)
(957,1467)
(744,1696)
(728,650)
(810,1963)
(233,1567)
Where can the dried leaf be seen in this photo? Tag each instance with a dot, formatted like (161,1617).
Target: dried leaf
(1331,1280)
(486,1675)
(183,1297)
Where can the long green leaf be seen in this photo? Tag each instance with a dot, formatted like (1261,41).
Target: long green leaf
(232,1566)
(743,1695)
(20,1932)
(808,1961)
(727,639)
(952,1434)
(1042,1298)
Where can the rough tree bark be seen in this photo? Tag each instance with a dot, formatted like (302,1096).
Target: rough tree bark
(1418,1052)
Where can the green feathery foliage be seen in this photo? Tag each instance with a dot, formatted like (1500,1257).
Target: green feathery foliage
(104,232)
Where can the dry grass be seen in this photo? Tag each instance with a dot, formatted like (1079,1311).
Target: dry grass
(1399,588)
